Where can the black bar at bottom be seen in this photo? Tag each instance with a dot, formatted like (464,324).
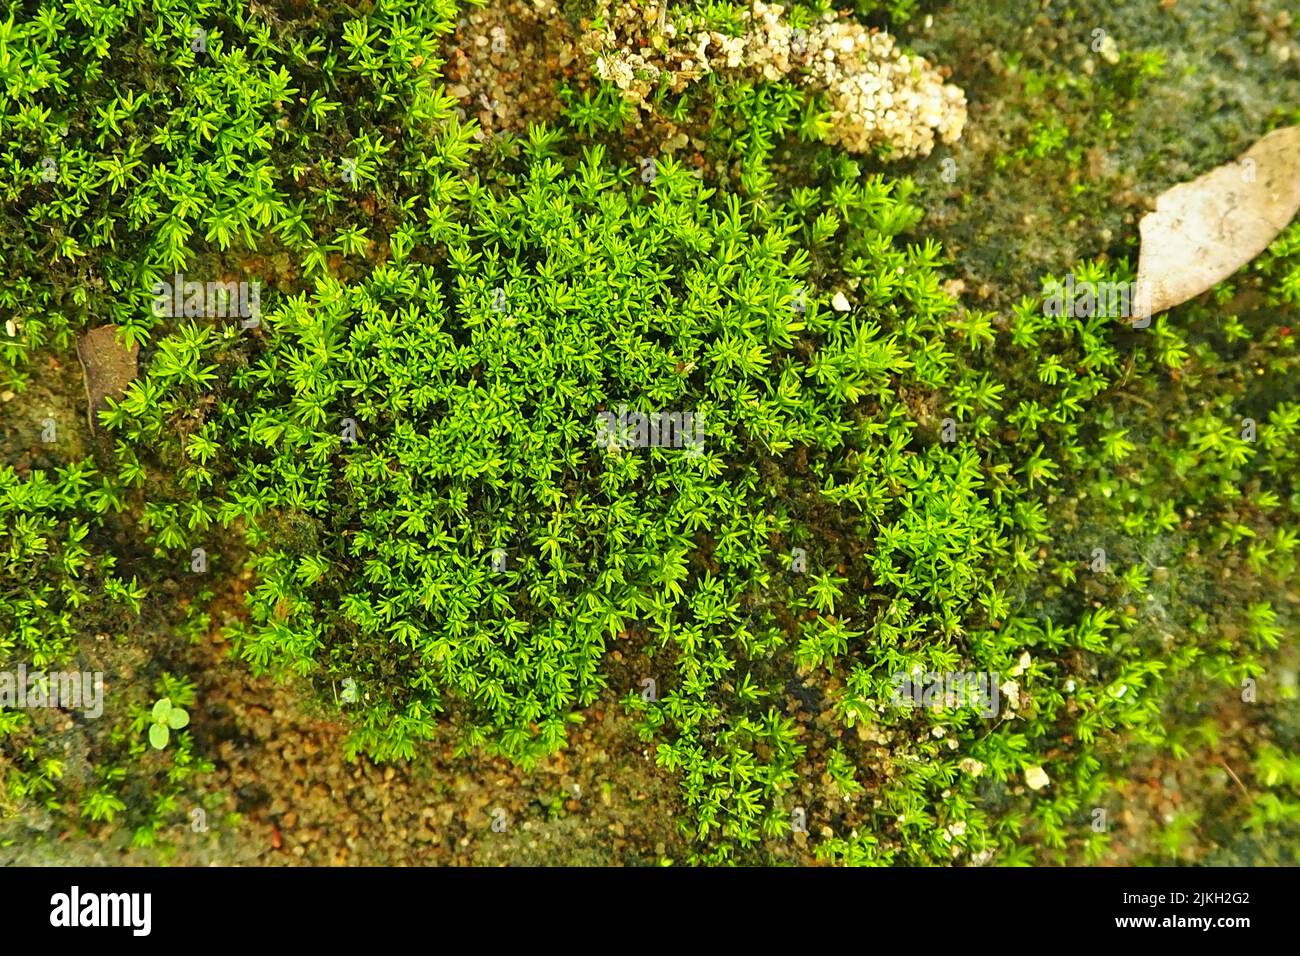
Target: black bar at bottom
(664,907)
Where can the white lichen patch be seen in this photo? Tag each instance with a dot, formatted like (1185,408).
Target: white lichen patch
(877,96)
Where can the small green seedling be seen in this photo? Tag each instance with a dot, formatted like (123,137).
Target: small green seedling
(166,718)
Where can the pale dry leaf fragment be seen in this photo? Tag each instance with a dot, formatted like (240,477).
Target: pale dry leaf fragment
(1036,778)
(1011,691)
(1021,665)
(1205,230)
(109,368)
(1109,49)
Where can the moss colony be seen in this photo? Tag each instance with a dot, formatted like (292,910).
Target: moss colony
(643,393)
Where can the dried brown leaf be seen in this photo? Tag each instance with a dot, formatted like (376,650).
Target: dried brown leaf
(1205,230)
(109,368)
